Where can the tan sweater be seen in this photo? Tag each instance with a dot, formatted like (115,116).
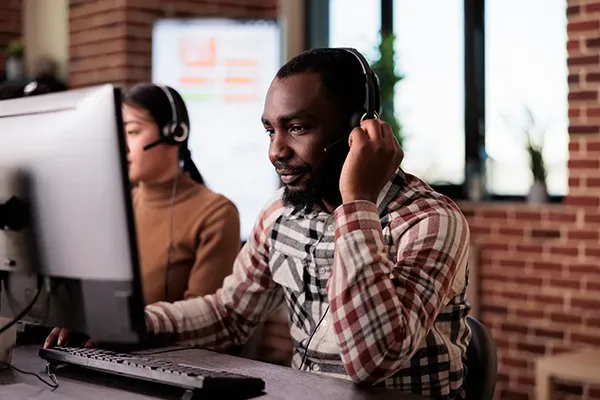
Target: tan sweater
(206,239)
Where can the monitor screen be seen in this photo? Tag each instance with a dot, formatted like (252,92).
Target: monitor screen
(223,68)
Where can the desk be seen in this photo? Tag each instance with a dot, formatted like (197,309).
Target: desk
(581,366)
(281,382)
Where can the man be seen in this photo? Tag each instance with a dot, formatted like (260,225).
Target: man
(370,261)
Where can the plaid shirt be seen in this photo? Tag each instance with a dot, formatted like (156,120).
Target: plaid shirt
(387,281)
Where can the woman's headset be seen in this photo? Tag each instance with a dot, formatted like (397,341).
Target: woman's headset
(174,132)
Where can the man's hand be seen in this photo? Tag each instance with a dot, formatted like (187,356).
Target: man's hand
(373,158)
(61,336)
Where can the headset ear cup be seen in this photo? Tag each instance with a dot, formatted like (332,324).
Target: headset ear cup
(180,132)
(356,118)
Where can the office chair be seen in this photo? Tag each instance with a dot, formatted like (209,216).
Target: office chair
(481,363)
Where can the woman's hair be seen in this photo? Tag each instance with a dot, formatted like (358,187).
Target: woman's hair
(152,99)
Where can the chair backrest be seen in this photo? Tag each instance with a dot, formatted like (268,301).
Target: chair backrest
(482,363)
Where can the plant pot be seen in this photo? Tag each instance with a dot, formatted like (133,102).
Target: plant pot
(538,193)
(15,68)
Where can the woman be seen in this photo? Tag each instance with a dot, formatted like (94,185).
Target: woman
(188,236)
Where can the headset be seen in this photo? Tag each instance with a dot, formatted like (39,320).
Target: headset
(372,103)
(175,132)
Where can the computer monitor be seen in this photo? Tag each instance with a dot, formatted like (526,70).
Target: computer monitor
(63,156)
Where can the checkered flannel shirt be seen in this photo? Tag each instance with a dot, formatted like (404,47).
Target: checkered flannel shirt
(387,281)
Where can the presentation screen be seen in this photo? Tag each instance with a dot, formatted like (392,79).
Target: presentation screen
(223,68)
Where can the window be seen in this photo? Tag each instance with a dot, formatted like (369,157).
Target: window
(526,73)
(355,23)
(430,98)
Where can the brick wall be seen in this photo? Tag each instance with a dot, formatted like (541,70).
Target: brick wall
(10,27)
(540,266)
(110,40)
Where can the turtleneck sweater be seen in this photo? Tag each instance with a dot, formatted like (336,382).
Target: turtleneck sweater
(205,241)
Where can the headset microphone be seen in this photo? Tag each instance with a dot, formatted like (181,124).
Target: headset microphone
(372,101)
(153,144)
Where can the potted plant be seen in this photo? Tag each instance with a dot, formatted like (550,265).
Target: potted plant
(15,64)
(538,193)
(385,69)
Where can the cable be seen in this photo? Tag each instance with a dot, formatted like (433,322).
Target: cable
(53,384)
(27,309)
(170,249)
(311,336)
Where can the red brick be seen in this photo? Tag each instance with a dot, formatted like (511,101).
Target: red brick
(589,270)
(511,231)
(585,304)
(514,328)
(532,348)
(563,250)
(583,26)
(573,79)
(592,252)
(574,112)
(583,235)
(529,248)
(545,233)
(573,44)
(546,333)
(592,43)
(592,77)
(583,129)
(547,266)
(548,299)
(494,309)
(574,182)
(562,216)
(565,318)
(584,163)
(592,182)
(592,287)
(565,284)
(512,264)
(593,322)
(515,362)
(528,216)
(583,201)
(510,295)
(573,10)
(494,214)
(586,339)
(592,112)
(583,95)
(530,314)
(589,8)
(574,146)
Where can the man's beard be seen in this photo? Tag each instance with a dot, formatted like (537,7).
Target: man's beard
(323,184)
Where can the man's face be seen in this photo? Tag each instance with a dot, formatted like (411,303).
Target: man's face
(301,122)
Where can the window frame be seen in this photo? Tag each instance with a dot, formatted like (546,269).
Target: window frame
(317,35)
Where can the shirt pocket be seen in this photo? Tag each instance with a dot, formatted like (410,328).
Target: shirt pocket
(287,271)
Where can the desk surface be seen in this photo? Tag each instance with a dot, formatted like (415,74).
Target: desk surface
(281,382)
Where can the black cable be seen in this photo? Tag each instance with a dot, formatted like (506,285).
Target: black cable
(53,384)
(170,249)
(311,336)
(27,309)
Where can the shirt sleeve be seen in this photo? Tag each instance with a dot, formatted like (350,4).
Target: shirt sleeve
(228,317)
(218,243)
(382,310)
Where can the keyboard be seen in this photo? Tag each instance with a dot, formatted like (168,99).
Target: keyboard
(153,369)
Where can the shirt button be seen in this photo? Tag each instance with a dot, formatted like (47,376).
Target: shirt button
(322,271)
(330,228)
(316,368)
(324,323)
